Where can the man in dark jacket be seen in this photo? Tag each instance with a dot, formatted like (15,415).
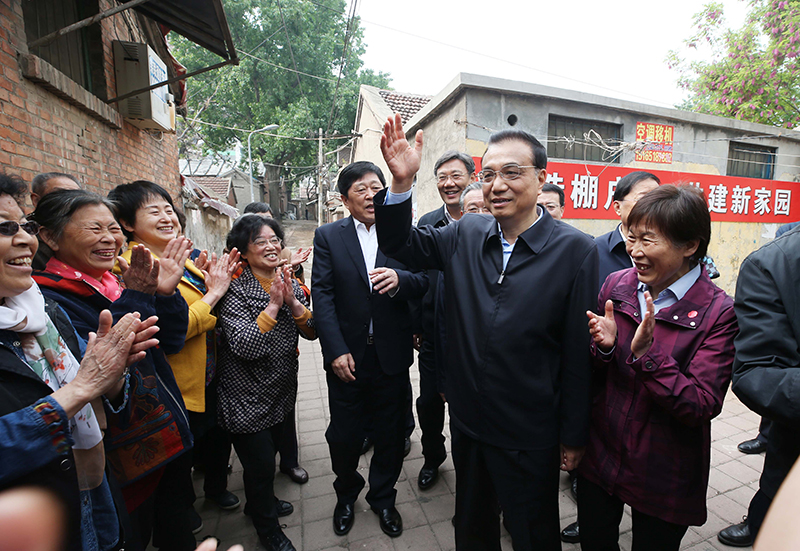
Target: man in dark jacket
(518,285)
(454,171)
(766,369)
(364,325)
(611,245)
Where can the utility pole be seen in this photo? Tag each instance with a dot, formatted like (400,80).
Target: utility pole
(320,194)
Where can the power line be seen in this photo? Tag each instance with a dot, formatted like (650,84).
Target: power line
(289,43)
(483,54)
(335,137)
(284,68)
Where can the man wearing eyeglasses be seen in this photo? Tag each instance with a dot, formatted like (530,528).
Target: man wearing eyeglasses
(552,199)
(363,322)
(517,286)
(453,172)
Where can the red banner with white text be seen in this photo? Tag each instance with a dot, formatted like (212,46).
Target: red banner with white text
(589,191)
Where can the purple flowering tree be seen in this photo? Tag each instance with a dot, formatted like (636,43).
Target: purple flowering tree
(752,73)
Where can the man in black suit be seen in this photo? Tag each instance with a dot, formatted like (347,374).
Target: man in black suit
(611,245)
(364,325)
(454,171)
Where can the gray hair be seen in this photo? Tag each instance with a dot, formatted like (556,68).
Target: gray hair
(56,209)
(472,187)
(40,180)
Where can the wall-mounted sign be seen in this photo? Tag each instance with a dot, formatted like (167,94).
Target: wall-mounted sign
(658,138)
(589,191)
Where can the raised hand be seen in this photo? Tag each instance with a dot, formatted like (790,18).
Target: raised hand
(234,260)
(202,261)
(402,159)
(172,263)
(300,256)
(107,354)
(142,273)
(276,293)
(603,330)
(144,340)
(643,338)
(218,276)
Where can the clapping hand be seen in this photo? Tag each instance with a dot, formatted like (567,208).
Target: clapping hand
(142,272)
(218,273)
(402,159)
(300,256)
(603,330)
(643,338)
(172,263)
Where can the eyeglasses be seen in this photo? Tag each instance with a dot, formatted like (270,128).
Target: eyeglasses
(455,176)
(477,210)
(260,243)
(10,228)
(508,172)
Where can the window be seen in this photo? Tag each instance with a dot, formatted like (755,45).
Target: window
(78,54)
(575,128)
(751,161)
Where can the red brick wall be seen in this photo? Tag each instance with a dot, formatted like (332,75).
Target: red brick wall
(40,132)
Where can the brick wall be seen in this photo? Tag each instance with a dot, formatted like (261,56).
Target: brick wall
(43,132)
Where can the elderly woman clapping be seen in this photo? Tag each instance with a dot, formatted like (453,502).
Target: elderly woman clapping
(50,423)
(663,352)
(150,432)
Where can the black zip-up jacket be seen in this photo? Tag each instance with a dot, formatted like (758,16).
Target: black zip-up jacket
(517,361)
(766,368)
(423,310)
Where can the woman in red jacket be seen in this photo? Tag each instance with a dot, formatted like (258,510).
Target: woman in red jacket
(663,354)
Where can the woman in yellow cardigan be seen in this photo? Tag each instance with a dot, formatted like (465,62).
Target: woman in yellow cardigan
(148,216)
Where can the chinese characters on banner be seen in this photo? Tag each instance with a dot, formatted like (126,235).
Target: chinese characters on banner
(659,142)
(589,191)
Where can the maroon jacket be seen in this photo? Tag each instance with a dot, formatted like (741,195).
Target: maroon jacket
(650,436)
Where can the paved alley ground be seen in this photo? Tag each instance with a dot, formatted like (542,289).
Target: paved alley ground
(426,515)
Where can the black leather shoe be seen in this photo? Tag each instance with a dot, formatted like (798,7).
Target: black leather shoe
(297,474)
(427,477)
(283,508)
(390,520)
(407,447)
(366,445)
(343,517)
(277,541)
(226,500)
(752,446)
(574,488)
(571,534)
(736,535)
(197,522)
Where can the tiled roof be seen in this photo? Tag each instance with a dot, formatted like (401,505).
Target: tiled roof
(220,186)
(405,104)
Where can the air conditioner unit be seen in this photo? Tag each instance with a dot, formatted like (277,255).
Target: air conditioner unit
(137,66)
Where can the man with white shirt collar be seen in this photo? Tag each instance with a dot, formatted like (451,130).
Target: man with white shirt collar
(364,326)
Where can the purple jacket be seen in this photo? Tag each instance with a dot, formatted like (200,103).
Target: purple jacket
(650,436)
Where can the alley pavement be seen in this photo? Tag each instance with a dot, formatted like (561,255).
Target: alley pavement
(427,515)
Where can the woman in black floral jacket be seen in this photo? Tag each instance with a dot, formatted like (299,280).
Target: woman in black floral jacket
(262,315)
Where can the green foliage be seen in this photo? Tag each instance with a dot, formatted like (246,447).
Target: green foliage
(257,93)
(754,72)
